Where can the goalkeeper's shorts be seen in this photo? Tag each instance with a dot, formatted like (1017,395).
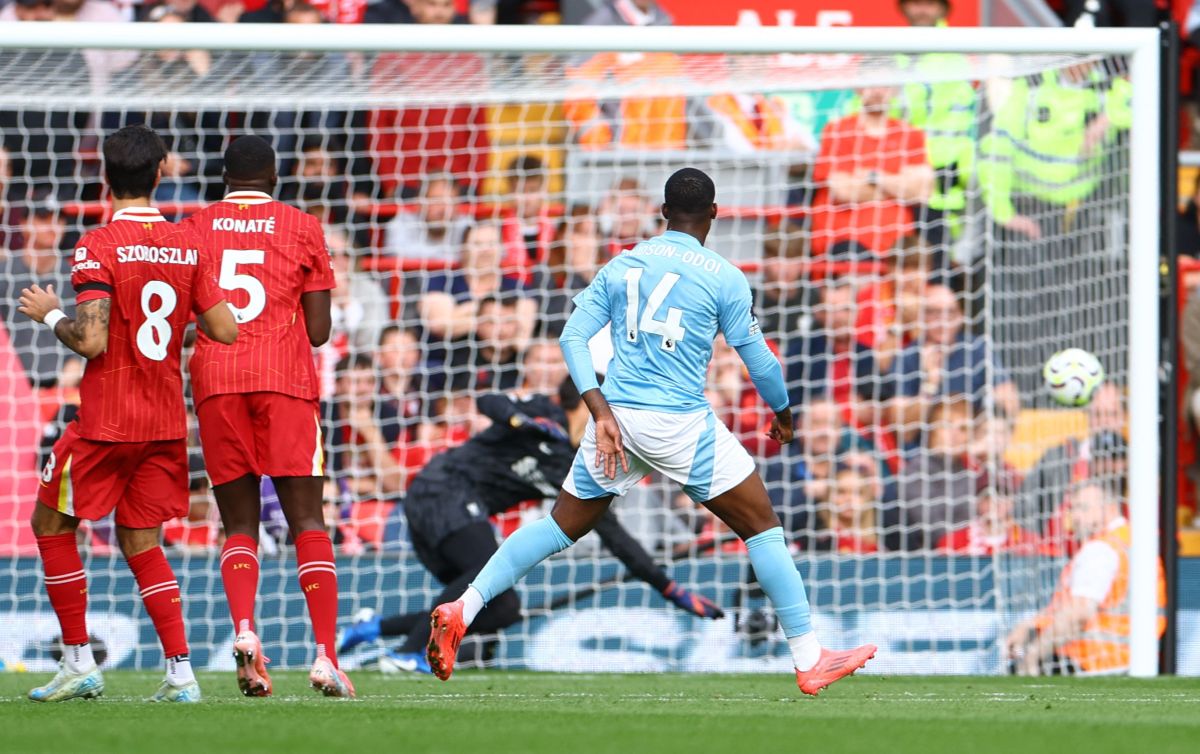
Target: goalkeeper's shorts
(694,450)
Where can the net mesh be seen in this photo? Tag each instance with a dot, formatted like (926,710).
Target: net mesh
(922,232)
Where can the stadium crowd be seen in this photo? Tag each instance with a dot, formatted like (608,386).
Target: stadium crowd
(457,257)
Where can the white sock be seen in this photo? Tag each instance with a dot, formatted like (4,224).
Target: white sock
(806,650)
(78,658)
(472,603)
(179,670)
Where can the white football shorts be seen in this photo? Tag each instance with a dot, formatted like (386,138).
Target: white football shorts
(694,450)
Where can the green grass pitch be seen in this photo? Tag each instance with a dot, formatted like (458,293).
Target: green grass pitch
(497,712)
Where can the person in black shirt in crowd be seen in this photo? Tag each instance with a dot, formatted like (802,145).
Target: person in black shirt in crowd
(524,455)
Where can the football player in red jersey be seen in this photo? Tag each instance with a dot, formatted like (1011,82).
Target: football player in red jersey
(138,280)
(257,400)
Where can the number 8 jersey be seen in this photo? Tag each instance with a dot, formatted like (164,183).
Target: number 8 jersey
(267,255)
(156,276)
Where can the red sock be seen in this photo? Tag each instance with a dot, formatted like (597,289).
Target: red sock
(160,594)
(318,579)
(66,585)
(239,572)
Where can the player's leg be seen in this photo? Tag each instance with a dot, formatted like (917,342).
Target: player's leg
(157,492)
(300,499)
(290,450)
(746,509)
(54,523)
(585,496)
(227,438)
(239,504)
(465,552)
(570,519)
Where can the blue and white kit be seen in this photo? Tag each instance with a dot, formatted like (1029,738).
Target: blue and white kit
(667,299)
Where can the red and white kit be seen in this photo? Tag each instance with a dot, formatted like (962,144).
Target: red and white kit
(127,448)
(257,399)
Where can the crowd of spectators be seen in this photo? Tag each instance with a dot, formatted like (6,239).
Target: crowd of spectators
(455,278)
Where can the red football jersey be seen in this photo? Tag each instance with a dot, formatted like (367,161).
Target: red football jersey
(268,255)
(156,277)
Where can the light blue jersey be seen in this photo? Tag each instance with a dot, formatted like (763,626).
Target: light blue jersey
(667,299)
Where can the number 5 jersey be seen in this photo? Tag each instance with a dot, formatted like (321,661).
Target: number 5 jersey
(267,255)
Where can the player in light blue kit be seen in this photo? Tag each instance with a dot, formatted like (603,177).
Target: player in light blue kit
(667,299)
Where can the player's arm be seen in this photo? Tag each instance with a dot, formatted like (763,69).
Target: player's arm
(588,319)
(633,556)
(316,297)
(743,333)
(218,323)
(86,334)
(317,319)
(521,415)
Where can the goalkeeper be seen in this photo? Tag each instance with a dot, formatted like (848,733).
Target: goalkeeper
(524,455)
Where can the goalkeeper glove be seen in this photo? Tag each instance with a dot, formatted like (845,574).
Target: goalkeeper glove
(539,424)
(695,604)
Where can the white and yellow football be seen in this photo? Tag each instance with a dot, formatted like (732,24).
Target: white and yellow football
(1072,376)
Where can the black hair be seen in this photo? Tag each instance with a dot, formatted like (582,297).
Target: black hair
(497,299)
(353,361)
(568,395)
(249,158)
(526,167)
(131,159)
(689,192)
(392,329)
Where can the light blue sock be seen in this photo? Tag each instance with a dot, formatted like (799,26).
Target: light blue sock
(528,546)
(780,580)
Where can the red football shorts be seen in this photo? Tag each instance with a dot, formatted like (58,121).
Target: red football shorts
(147,482)
(264,434)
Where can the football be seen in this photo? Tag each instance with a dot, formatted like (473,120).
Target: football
(1072,376)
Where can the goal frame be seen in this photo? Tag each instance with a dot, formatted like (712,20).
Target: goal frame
(1142,46)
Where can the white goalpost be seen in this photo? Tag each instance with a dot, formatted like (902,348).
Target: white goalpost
(366,119)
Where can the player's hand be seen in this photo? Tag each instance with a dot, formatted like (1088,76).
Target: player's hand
(37,303)
(782,430)
(696,604)
(610,448)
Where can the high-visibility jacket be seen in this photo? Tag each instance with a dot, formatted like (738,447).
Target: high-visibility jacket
(648,115)
(1037,143)
(1103,646)
(945,111)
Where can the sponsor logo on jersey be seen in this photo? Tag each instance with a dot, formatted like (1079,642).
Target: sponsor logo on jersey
(89,264)
(755,329)
(244,225)
(81,254)
(157,254)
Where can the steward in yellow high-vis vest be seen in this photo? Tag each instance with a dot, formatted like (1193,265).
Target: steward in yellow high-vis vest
(1048,145)
(1052,173)
(945,111)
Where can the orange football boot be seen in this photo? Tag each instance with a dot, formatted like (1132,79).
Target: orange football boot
(251,665)
(833,666)
(329,680)
(446,633)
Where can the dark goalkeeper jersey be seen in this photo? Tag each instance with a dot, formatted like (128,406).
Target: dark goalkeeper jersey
(502,465)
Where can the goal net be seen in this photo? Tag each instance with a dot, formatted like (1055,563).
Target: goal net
(922,230)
